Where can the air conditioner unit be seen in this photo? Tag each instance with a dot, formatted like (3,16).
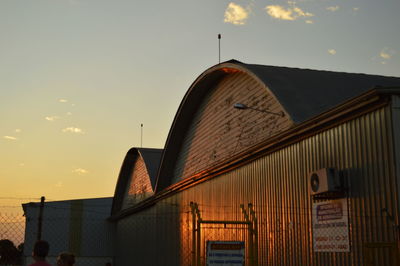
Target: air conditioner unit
(324,180)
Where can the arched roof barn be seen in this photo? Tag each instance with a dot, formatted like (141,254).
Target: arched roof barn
(137,178)
(208,131)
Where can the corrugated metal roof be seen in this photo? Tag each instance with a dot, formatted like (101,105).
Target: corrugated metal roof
(305,93)
(302,93)
(151,158)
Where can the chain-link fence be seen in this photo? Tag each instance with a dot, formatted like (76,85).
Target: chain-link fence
(329,233)
(12,229)
(76,226)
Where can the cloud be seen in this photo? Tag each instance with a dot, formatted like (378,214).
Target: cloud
(309,22)
(52,118)
(75,130)
(63,100)
(387,53)
(17,130)
(236,14)
(10,138)
(333,8)
(21,164)
(332,51)
(301,13)
(282,13)
(58,184)
(356,9)
(69,113)
(279,12)
(80,171)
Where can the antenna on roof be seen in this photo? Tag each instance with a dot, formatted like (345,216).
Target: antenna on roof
(219,48)
(141,135)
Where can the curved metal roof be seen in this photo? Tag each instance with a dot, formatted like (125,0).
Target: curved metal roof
(306,93)
(302,93)
(151,158)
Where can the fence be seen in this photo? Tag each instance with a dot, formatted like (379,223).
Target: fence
(77,226)
(81,227)
(12,229)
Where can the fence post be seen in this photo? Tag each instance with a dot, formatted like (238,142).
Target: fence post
(194,222)
(40,218)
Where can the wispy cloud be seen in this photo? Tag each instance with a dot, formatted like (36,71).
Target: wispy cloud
(290,13)
(52,118)
(332,51)
(355,9)
(309,21)
(10,138)
(17,130)
(75,130)
(333,8)
(387,53)
(236,14)
(69,113)
(62,100)
(80,171)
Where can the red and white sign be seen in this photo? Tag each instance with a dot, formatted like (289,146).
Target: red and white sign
(331,226)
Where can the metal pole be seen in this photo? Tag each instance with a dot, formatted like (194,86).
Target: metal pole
(255,233)
(40,218)
(193,234)
(141,135)
(219,48)
(198,243)
(251,247)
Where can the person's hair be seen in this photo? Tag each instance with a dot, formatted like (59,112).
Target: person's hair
(67,258)
(41,248)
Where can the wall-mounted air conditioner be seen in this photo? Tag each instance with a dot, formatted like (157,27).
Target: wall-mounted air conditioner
(324,180)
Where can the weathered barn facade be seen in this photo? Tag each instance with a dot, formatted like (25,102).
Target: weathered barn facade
(247,175)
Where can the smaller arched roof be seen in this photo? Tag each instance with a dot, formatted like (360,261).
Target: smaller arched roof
(151,158)
(302,94)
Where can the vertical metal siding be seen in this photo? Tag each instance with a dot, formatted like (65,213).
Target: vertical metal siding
(277,185)
(395,120)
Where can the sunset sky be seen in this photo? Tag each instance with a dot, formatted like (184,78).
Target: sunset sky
(78,77)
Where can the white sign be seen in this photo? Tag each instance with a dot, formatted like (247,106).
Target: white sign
(331,226)
(225,253)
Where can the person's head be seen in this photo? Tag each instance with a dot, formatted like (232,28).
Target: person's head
(65,259)
(40,249)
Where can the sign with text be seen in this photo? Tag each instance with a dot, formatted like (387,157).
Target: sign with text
(330,226)
(225,253)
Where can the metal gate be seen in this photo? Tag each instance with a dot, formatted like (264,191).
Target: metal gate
(205,230)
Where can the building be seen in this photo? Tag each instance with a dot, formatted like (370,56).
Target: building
(77,226)
(307,175)
(137,179)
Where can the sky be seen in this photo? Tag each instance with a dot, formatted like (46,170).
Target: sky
(79,77)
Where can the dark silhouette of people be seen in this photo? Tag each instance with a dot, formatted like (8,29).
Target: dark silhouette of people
(65,259)
(40,251)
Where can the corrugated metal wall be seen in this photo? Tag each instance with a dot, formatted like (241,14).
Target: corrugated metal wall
(277,186)
(218,131)
(139,186)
